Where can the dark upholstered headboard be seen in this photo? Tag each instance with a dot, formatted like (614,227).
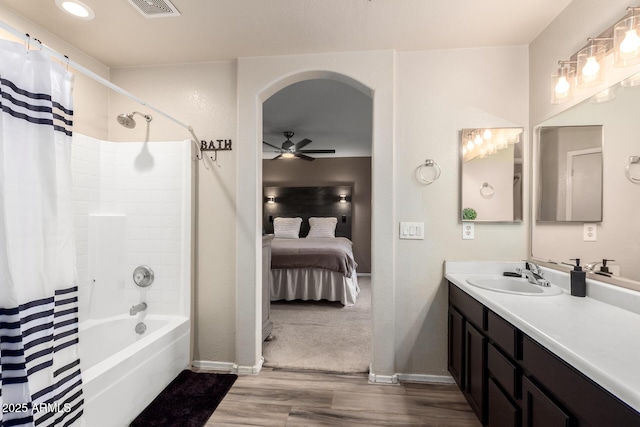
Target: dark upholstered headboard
(305,202)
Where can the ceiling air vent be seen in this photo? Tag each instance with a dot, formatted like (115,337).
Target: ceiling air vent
(155,8)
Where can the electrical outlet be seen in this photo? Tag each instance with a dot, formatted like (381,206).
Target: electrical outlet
(590,232)
(468,231)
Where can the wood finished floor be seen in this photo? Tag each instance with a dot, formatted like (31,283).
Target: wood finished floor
(279,397)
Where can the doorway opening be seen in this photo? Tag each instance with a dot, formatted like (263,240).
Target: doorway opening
(324,115)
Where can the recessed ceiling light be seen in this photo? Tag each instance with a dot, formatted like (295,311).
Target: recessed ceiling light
(76,8)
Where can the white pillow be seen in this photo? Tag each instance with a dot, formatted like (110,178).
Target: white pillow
(322,227)
(286,228)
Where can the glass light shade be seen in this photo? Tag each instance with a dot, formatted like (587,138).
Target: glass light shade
(591,65)
(562,84)
(626,42)
(604,96)
(632,81)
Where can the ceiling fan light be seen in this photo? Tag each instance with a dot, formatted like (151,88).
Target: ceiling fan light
(288,155)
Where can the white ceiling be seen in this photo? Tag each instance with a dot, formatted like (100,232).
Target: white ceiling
(214,30)
(332,116)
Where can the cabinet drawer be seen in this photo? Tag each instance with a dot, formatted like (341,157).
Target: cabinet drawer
(471,309)
(503,334)
(503,371)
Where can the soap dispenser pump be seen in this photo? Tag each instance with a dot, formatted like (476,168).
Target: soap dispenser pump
(578,279)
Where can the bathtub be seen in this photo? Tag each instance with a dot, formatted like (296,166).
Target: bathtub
(123,371)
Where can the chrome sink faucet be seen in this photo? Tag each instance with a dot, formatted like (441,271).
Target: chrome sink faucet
(533,273)
(138,308)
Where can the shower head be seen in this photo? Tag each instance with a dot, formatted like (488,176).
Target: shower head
(127,121)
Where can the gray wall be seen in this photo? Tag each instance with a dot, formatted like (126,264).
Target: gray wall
(346,170)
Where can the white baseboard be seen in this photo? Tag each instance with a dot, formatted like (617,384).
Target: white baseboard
(409,378)
(427,379)
(382,379)
(229,367)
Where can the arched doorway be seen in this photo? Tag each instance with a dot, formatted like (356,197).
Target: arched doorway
(259,78)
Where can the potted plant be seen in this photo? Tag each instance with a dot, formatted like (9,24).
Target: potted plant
(469,214)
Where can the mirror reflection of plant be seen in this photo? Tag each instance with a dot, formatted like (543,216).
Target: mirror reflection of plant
(469,214)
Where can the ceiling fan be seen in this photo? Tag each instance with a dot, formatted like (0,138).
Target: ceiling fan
(290,150)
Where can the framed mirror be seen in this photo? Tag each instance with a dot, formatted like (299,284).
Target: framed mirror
(570,173)
(615,236)
(491,174)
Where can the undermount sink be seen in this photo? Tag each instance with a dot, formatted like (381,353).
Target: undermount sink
(513,285)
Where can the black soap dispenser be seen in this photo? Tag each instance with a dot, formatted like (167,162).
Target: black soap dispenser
(578,279)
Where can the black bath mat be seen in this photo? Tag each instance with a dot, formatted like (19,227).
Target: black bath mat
(188,401)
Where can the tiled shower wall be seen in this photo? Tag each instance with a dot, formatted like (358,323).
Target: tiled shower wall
(131,197)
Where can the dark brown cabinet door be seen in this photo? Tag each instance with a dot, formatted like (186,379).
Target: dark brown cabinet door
(456,346)
(539,410)
(500,411)
(475,370)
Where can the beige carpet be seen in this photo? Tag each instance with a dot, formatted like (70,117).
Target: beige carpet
(321,335)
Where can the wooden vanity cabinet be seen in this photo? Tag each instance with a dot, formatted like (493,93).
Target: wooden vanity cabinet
(510,380)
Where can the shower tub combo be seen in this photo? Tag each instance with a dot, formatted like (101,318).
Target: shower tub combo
(133,340)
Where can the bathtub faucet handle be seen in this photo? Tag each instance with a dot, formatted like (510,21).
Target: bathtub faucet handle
(138,308)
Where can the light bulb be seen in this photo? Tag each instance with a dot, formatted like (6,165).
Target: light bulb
(287,155)
(562,87)
(591,69)
(487,134)
(478,140)
(630,43)
(470,145)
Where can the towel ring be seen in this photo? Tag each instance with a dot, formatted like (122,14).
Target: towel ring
(486,191)
(429,163)
(633,160)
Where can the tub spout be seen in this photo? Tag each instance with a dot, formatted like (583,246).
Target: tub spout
(138,308)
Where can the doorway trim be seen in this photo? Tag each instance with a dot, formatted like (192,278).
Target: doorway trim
(259,78)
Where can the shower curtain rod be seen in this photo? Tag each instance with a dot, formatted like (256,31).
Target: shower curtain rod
(65,60)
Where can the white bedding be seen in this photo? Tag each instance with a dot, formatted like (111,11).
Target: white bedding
(314,269)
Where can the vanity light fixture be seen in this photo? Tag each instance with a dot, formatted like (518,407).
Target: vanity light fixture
(591,64)
(563,82)
(632,81)
(76,8)
(587,66)
(626,39)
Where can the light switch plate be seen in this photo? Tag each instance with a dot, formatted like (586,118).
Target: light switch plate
(590,232)
(468,231)
(412,230)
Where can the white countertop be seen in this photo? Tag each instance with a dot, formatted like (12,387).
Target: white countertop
(599,335)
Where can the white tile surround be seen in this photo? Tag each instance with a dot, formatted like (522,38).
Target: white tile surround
(148,185)
(598,335)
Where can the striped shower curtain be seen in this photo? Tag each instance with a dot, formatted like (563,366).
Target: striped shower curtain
(39,365)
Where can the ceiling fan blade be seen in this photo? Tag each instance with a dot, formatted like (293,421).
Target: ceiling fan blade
(317,151)
(302,143)
(302,156)
(279,156)
(273,146)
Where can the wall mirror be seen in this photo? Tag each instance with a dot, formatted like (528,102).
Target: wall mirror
(615,237)
(570,173)
(491,182)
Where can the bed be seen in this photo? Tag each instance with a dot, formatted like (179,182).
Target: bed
(312,252)
(313,269)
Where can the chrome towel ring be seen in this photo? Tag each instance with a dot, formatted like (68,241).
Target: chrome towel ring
(486,191)
(633,160)
(431,164)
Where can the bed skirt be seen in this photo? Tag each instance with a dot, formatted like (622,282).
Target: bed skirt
(313,284)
